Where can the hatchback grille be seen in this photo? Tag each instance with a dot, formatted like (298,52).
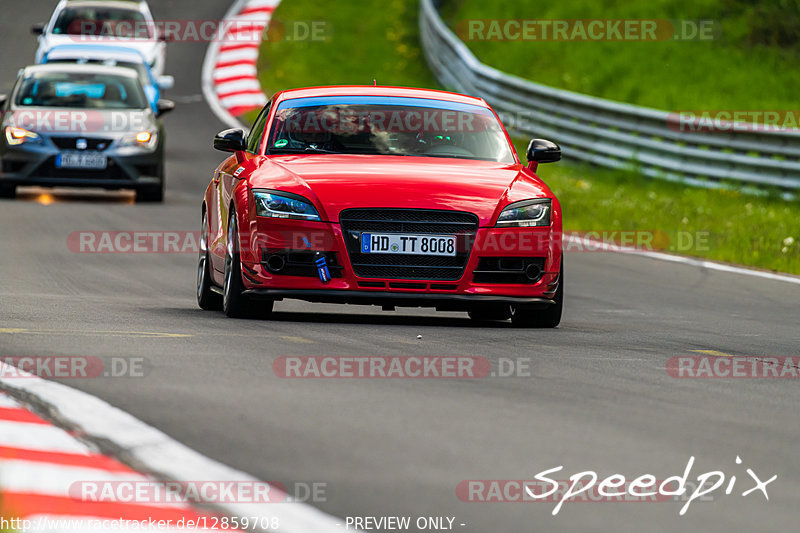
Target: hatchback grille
(71,143)
(414,221)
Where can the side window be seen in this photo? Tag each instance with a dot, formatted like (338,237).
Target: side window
(257,132)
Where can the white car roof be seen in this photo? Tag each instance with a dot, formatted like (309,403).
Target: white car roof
(96,52)
(80,69)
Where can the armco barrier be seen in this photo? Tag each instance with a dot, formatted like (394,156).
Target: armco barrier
(613,134)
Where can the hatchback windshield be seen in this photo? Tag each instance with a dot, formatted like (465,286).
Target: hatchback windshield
(103,21)
(388,126)
(81,90)
(140,68)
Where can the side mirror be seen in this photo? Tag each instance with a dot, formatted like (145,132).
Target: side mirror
(165,83)
(38,29)
(232,140)
(543,151)
(164,106)
(3,99)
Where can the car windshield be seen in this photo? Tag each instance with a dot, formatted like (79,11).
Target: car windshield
(103,21)
(81,90)
(388,126)
(140,68)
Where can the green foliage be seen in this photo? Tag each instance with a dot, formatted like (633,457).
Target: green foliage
(750,64)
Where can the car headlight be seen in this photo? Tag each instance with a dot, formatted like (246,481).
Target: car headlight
(526,213)
(273,205)
(16,136)
(142,139)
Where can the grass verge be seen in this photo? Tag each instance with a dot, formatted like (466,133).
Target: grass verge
(372,39)
(748,64)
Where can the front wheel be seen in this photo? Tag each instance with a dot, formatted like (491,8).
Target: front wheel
(206,298)
(522,317)
(235,304)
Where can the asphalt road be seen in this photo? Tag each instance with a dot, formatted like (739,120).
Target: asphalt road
(597,397)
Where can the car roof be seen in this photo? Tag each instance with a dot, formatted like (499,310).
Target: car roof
(371,90)
(80,69)
(123,4)
(95,51)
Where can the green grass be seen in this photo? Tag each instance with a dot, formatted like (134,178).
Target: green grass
(377,39)
(751,64)
(761,232)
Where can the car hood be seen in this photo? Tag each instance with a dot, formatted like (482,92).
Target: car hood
(338,182)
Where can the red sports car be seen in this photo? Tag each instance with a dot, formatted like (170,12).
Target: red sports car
(385,196)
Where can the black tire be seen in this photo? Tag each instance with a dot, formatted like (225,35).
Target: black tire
(8,191)
(234,303)
(541,318)
(206,298)
(489,312)
(150,194)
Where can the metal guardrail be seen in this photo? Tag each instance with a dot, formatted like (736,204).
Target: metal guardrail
(613,134)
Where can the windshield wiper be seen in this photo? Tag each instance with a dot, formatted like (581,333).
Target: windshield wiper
(306,150)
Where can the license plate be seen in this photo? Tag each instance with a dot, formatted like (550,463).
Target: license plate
(398,243)
(88,161)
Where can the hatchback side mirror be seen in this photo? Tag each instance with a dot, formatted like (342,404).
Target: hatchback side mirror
(543,151)
(38,29)
(164,106)
(232,140)
(165,83)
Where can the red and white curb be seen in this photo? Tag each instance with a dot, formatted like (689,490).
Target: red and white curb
(230,80)
(39,462)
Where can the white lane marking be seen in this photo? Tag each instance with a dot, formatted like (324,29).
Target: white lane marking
(157,452)
(701,263)
(39,437)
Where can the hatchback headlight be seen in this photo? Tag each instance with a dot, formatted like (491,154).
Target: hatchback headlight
(526,213)
(274,205)
(142,139)
(16,136)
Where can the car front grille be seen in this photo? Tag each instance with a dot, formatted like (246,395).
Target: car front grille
(71,143)
(412,221)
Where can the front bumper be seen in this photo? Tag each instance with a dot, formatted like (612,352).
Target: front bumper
(300,241)
(35,165)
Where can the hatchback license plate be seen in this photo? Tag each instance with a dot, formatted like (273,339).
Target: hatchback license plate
(87,161)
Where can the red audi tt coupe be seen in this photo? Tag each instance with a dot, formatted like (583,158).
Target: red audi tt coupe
(382,196)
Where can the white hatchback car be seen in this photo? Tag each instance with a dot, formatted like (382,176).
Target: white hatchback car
(118,22)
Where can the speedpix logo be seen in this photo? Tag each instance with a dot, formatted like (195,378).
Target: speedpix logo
(588,486)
